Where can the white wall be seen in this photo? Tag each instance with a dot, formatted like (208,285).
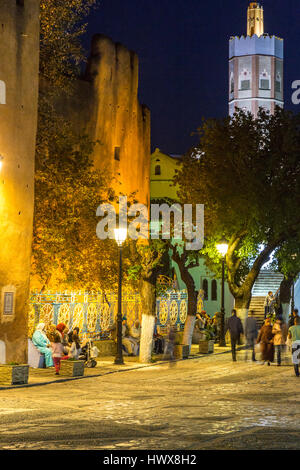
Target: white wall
(2,352)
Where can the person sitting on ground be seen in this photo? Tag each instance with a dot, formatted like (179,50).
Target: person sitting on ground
(75,349)
(135,336)
(62,330)
(198,329)
(126,343)
(70,334)
(42,343)
(57,352)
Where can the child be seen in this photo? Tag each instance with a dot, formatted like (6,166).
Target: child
(57,352)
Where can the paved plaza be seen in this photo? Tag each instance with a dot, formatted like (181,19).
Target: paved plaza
(201,403)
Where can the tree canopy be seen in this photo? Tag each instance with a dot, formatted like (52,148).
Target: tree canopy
(246,172)
(68,189)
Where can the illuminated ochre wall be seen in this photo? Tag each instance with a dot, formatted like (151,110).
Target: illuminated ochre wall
(19,54)
(105,104)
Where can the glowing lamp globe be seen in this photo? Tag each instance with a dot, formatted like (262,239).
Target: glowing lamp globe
(120,235)
(222,248)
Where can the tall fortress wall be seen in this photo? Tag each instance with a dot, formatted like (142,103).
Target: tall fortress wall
(105,104)
(19,62)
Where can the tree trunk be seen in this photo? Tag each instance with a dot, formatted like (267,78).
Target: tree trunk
(242,307)
(188,330)
(148,304)
(285,297)
(285,312)
(192,296)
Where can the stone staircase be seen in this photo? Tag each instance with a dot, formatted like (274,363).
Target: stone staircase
(267,281)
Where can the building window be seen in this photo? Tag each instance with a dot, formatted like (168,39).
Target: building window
(214,294)
(2,92)
(264,80)
(245,85)
(117,153)
(264,84)
(245,80)
(157,170)
(205,288)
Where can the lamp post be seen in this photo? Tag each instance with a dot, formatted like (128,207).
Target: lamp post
(222,248)
(120,237)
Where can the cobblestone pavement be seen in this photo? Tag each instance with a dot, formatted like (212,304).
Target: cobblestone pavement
(205,403)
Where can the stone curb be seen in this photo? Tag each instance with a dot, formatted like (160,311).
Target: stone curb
(71,379)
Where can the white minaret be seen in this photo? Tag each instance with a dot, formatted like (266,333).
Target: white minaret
(255,67)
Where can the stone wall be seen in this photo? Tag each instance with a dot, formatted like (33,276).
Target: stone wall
(19,52)
(105,104)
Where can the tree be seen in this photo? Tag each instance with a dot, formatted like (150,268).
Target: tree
(146,259)
(68,190)
(287,261)
(185,261)
(66,250)
(61,52)
(246,173)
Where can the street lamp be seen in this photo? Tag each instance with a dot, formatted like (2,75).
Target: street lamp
(120,237)
(222,248)
(294,256)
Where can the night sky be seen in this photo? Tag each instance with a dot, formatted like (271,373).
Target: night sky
(183,51)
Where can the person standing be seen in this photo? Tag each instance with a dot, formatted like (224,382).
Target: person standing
(265,338)
(294,335)
(251,333)
(269,303)
(295,314)
(235,327)
(279,339)
(57,352)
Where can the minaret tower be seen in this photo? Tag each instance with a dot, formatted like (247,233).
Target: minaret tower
(255,67)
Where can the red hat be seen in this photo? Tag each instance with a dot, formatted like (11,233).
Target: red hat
(61,327)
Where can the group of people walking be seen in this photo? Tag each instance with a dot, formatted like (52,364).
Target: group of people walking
(57,343)
(272,338)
